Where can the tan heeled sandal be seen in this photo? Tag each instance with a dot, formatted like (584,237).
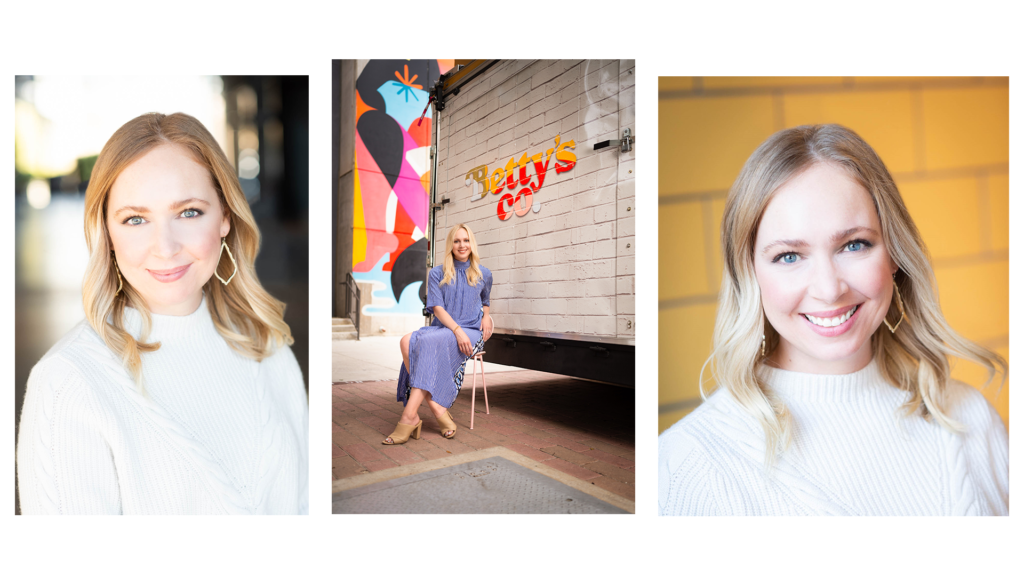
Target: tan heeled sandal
(447,424)
(403,432)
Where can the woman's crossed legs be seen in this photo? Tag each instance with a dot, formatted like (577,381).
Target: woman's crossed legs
(410,416)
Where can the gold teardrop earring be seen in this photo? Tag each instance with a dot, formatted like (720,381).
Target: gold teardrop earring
(120,283)
(899,306)
(223,248)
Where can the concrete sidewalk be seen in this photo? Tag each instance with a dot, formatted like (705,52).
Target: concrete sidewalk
(583,429)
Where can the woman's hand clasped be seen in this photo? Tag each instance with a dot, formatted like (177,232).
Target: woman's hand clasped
(488,327)
(465,346)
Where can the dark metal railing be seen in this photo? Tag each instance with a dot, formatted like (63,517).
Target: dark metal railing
(352,300)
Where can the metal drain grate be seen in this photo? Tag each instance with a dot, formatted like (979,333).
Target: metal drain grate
(490,486)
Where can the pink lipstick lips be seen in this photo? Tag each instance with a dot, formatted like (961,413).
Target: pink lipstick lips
(170,274)
(833,322)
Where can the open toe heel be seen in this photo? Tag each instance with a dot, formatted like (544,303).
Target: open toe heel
(403,432)
(447,425)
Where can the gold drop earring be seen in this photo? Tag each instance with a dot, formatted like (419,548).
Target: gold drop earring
(899,306)
(120,283)
(223,248)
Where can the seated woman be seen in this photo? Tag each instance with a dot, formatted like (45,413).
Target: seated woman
(179,393)
(434,357)
(828,329)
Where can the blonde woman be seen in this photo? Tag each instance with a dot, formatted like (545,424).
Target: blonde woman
(831,355)
(434,357)
(179,393)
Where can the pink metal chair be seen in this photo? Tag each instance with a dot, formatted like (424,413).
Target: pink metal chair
(479,356)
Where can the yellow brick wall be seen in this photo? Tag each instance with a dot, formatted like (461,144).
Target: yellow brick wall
(945,140)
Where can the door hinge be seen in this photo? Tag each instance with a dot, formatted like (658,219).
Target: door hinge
(625,144)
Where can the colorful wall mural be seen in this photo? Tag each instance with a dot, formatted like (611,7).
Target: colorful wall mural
(392,182)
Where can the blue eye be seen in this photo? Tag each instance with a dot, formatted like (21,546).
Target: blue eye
(134,220)
(857,245)
(786,258)
(191,213)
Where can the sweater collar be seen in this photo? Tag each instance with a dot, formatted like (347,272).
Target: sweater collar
(163,327)
(800,387)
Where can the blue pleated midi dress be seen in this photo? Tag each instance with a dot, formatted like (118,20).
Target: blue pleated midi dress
(435,361)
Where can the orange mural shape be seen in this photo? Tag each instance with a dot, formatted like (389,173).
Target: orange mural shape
(409,81)
(425,181)
(420,132)
(361,106)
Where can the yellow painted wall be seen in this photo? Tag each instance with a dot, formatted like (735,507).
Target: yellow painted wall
(945,140)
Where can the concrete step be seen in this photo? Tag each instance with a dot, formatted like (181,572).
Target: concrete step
(343,329)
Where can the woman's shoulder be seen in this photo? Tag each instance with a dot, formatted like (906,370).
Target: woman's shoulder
(71,350)
(969,406)
(283,356)
(284,363)
(67,374)
(704,431)
(697,452)
(485,271)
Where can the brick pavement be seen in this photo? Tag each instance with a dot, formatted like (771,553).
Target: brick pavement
(581,428)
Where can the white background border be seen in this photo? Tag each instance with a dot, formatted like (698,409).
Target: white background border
(677,38)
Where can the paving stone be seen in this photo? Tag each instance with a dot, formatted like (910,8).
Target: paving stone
(572,469)
(345,467)
(618,488)
(377,465)
(401,454)
(612,472)
(611,459)
(529,452)
(568,455)
(362,452)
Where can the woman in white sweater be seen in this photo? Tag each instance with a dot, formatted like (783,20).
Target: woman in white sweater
(178,394)
(831,356)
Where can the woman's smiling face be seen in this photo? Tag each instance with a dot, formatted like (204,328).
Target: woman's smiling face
(165,222)
(461,248)
(824,271)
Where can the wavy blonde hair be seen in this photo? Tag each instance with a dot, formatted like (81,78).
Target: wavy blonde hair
(249,318)
(473,274)
(915,358)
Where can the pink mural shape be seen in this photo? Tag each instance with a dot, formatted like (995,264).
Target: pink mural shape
(408,188)
(375,191)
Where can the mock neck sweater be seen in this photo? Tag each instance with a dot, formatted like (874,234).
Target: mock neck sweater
(214,433)
(853,453)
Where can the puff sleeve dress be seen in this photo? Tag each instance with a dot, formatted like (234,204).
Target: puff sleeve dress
(436,363)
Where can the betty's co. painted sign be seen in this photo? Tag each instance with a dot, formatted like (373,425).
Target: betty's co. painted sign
(507,179)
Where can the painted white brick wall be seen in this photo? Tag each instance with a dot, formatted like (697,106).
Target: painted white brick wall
(568,268)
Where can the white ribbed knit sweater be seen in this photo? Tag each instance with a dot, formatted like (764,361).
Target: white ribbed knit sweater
(216,433)
(852,454)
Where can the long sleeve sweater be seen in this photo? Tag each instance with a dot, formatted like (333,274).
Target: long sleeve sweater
(852,453)
(214,432)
